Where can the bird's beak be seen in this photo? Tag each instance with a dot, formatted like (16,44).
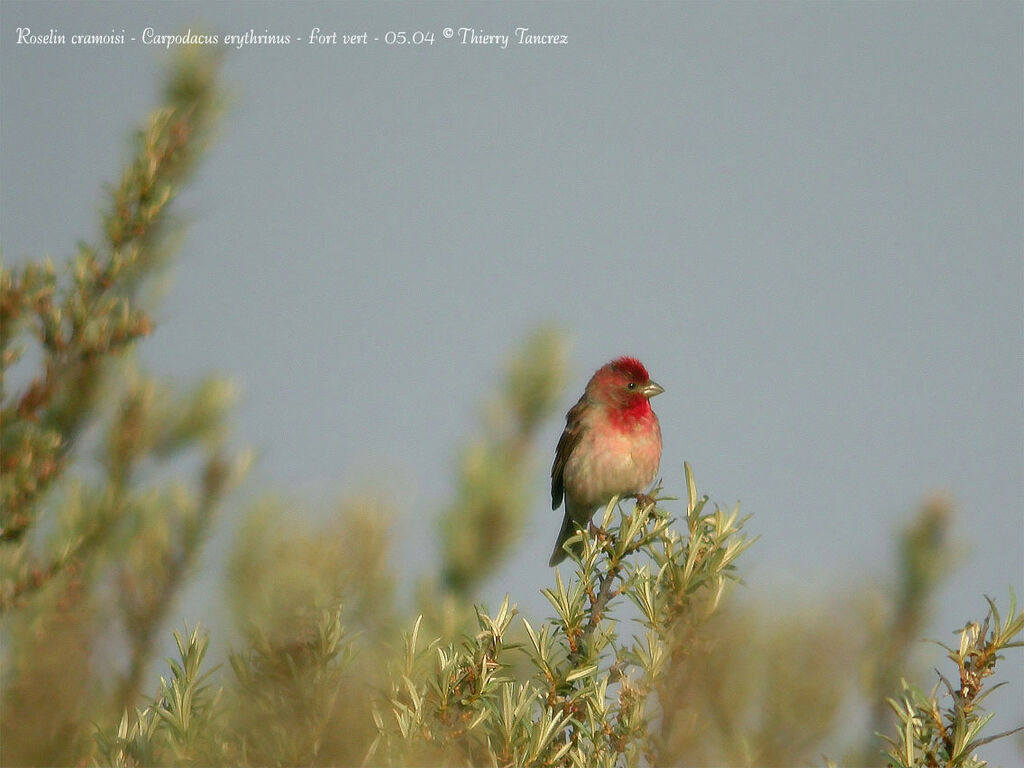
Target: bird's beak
(652,389)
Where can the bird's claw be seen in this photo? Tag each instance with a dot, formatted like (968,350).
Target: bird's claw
(597,532)
(645,500)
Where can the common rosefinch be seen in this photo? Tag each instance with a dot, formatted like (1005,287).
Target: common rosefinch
(611,445)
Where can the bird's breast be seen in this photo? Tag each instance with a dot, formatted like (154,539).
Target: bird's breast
(610,461)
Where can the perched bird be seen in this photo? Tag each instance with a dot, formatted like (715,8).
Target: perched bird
(611,445)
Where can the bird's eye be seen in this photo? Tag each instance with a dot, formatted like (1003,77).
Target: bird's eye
(631,385)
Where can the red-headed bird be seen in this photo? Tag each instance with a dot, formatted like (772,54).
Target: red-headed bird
(611,446)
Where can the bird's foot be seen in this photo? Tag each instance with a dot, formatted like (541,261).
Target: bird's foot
(645,500)
(598,533)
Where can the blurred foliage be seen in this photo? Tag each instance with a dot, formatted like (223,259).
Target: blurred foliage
(486,518)
(95,539)
(925,555)
(110,480)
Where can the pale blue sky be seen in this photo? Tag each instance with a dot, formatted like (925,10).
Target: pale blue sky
(806,219)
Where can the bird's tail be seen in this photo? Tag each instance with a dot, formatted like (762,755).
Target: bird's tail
(569,528)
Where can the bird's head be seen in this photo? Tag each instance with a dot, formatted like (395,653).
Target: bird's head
(624,384)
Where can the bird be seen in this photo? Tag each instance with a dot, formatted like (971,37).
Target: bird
(611,446)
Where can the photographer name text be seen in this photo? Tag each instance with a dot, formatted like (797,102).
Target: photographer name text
(316,36)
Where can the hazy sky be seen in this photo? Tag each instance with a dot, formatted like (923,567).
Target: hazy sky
(806,219)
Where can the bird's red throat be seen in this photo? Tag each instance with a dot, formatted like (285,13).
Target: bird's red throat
(629,416)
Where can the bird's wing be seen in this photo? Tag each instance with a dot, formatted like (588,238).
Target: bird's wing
(566,444)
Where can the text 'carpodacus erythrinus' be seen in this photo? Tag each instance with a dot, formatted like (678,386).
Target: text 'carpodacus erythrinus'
(611,445)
